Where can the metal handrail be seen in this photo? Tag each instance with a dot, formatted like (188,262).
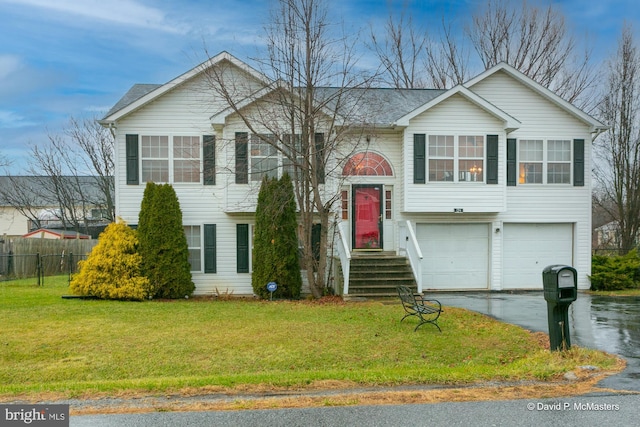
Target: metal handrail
(415,255)
(345,256)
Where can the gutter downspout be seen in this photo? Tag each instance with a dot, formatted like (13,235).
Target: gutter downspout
(111,129)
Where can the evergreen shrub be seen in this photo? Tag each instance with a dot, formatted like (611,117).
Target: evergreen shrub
(163,244)
(275,250)
(616,272)
(112,270)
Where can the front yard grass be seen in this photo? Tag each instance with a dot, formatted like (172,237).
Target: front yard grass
(83,347)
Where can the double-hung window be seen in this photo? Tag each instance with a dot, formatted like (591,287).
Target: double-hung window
(544,161)
(456,159)
(264,157)
(194,242)
(558,161)
(441,157)
(186,159)
(155,158)
(176,159)
(470,158)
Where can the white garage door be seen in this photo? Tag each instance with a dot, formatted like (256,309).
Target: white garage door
(529,248)
(455,256)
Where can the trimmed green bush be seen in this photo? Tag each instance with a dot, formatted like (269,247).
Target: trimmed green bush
(112,270)
(163,244)
(275,244)
(615,273)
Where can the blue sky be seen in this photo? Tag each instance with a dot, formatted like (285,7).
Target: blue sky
(78,57)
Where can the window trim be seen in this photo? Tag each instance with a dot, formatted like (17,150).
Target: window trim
(200,248)
(545,162)
(456,158)
(245,159)
(170,159)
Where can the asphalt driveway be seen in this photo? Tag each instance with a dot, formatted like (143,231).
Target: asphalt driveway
(611,324)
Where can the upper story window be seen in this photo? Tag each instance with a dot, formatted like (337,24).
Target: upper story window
(183,153)
(186,159)
(264,157)
(261,155)
(155,158)
(452,159)
(544,162)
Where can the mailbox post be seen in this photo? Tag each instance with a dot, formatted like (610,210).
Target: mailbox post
(560,284)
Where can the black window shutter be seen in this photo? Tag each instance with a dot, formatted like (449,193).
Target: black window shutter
(242,161)
(511,162)
(210,263)
(419,159)
(319,141)
(578,162)
(242,241)
(492,159)
(132,159)
(316,235)
(209,159)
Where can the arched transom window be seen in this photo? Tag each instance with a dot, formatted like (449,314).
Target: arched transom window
(367,164)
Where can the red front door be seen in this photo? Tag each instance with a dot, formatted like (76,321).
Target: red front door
(367,217)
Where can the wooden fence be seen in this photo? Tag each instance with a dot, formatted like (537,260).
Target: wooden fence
(24,258)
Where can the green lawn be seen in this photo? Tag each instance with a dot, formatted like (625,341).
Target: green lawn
(50,344)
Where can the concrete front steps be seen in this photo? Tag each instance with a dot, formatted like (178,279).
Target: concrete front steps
(377,274)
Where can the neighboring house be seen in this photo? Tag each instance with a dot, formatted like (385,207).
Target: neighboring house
(607,236)
(491,177)
(36,206)
(44,233)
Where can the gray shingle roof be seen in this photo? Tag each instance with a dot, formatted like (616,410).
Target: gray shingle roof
(136,92)
(39,188)
(381,106)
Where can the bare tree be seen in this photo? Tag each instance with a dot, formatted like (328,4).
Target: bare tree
(618,167)
(447,60)
(411,59)
(73,172)
(311,115)
(401,49)
(97,147)
(536,42)
(3,160)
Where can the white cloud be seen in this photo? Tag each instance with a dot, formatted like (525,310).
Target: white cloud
(8,65)
(11,120)
(123,12)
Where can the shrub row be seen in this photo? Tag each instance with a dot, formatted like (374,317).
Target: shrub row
(615,272)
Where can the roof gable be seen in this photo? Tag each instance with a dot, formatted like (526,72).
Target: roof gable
(549,95)
(142,94)
(510,123)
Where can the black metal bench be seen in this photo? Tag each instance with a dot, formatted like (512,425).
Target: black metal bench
(427,310)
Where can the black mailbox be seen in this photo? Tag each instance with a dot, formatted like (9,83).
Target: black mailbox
(560,283)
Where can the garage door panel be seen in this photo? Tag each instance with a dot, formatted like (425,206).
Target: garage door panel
(456,256)
(529,248)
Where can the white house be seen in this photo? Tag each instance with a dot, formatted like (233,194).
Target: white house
(481,186)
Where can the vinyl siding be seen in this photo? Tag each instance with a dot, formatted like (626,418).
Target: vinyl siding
(186,110)
(455,116)
(542,119)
